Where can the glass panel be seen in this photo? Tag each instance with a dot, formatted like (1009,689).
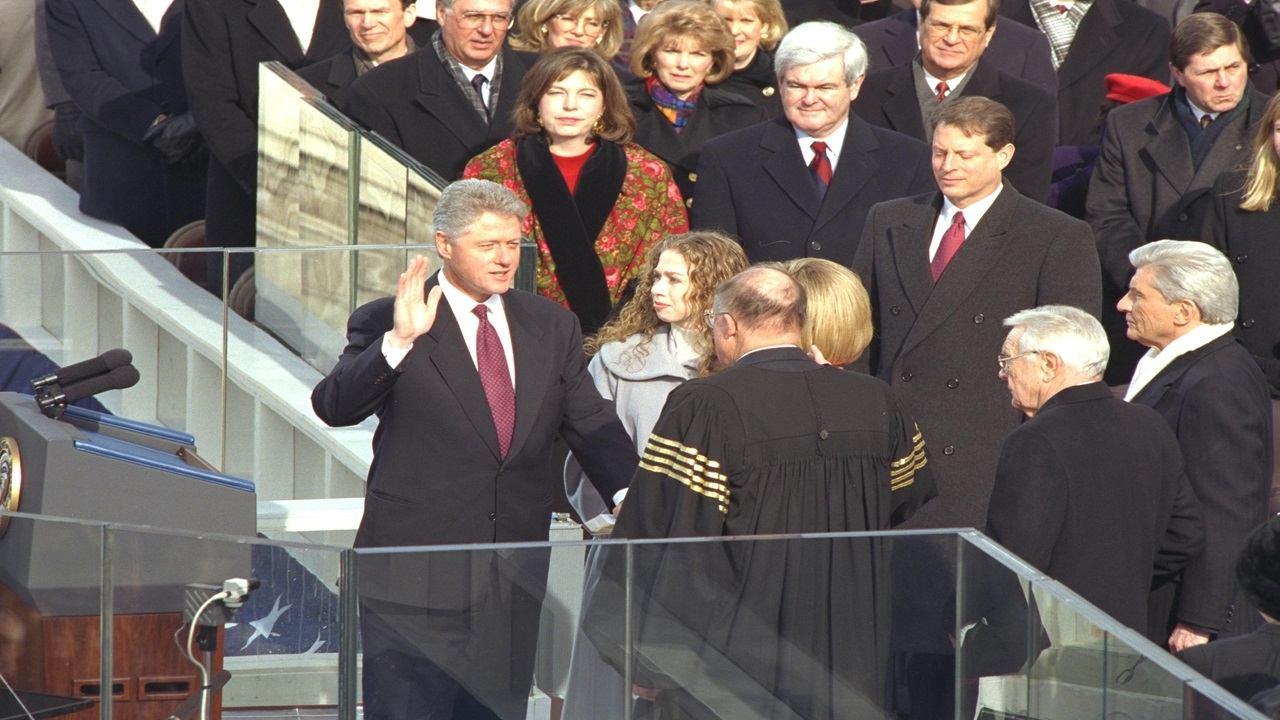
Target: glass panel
(276,646)
(999,635)
(51,603)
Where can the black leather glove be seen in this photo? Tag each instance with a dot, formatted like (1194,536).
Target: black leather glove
(67,141)
(176,137)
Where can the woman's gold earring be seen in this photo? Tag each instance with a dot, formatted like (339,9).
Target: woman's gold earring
(598,127)
(538,118)
(543,29)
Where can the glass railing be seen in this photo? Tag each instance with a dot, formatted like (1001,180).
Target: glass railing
(769,627)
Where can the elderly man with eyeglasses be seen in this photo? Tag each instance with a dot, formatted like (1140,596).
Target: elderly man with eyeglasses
(452,99)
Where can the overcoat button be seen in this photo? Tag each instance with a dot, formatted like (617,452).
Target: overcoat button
(688,202)
(768,92)
(824,434)
(1182,217)
(1241,258)
(906,376)
(815,245)
(949,450)
(895,310)
(977,319)
(493,516)
(1247,323)
(953,383)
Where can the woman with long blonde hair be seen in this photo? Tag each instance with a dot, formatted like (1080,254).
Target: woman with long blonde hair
(838,310)
(1245,226)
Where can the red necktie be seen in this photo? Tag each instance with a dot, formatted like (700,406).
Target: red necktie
(820,167)
(943,90)
(952,239)
(491,361)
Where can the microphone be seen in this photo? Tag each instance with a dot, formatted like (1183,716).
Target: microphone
(106,362)
(53,403)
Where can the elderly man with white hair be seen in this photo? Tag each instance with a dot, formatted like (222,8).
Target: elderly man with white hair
(801,185)
(1091,490)
(1181,305)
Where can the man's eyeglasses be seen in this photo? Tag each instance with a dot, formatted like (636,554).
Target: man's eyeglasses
(709,318)
(966,33)
(589,26)
(474,20)
(1004,360)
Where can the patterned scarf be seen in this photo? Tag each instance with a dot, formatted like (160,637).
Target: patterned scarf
(1059,26)
(676,111)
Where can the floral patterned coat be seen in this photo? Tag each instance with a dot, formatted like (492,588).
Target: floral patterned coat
(648,208)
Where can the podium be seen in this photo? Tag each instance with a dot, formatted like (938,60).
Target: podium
(103,468)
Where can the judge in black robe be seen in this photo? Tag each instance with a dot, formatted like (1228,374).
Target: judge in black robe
(759,628)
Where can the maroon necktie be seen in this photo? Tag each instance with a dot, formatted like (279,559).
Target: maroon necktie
(952,239)
(943,90)
(491,361)
(820,167)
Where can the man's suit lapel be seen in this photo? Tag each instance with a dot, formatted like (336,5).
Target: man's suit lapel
(532,359)
(1099,31)
(269,19)
(902,108)
(1167,147)
(1172,373)
(910,242)
(900,46)
(440,96)
(785,166)
(170,26)
(858,165)
(130,18)
(330,33)
(448,352)
(1230,150)
(968,269)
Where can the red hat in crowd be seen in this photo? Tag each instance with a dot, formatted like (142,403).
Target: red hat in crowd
(1131,88)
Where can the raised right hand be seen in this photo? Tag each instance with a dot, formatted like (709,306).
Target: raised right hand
(413,315)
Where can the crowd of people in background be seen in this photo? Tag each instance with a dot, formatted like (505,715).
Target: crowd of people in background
(1038,235)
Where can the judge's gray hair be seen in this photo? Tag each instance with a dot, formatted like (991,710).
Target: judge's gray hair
(1192,271)
(761,297)
(812,42)
(1072,334)
(463,202)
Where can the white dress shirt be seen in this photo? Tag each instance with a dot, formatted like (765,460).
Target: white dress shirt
(302,16)
(834,141)
(952,84)
(972,216)
(636,11)
(461,305)
(153,11)
(1199,114)
(1151,364)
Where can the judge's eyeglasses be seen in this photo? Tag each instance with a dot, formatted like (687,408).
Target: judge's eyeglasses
(1004,360)
(710,318)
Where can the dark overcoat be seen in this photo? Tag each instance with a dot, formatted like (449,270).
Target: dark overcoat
(1115,36)
(754,184)
(1015,49)
(223,41)
(1217,403)
(122,75)
(938,344)
(888,99)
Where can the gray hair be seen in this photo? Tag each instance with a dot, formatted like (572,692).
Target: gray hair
(448,4)
(1192,271)
(812,42)
(1072,334)
(764,296)
(462,203)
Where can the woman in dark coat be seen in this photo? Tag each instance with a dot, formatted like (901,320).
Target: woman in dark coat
(680,50)
(1245,226)
(599,201)
(757,27)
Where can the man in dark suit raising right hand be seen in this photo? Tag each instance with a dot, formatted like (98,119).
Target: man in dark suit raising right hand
(470,381)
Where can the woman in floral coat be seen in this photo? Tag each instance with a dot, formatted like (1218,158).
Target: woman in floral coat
(599,201)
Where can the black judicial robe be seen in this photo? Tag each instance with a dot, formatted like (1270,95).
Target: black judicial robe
(794,628)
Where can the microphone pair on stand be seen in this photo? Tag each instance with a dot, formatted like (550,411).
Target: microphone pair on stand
(112,370)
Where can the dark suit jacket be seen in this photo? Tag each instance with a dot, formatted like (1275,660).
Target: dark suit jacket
(754,184)
(1116,36)
(1015,49)
(888,99)
(1216,401)
(937,344)
(123,75)
(223,41)
(333,75)
(1245,666)
(718,112)
(1248,239)
(1145,186)
(844,12)
(436,476)
(415,103)
(1091,491)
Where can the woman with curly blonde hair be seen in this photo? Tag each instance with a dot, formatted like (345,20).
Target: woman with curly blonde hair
(544,25)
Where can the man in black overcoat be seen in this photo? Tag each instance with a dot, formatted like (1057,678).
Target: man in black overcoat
(380,32)
(765,183)
(1089,41)
(468,401)
(452,99)
(223,41)
(1161,156)
(1182,304)
(1015,48)
(1091,490)
(952,64)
